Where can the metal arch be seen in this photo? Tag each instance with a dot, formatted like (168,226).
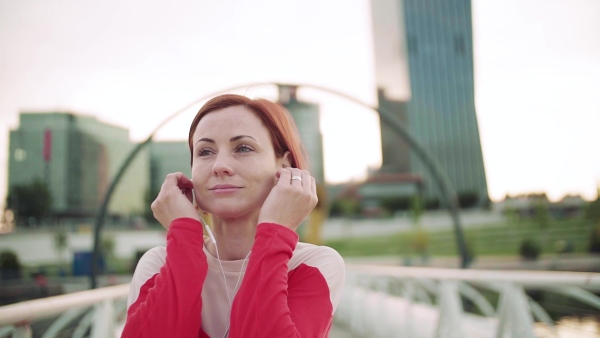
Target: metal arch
(448,192)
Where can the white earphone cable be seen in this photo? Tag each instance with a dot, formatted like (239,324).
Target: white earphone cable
(214,241)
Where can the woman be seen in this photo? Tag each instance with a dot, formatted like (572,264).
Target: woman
(250,277)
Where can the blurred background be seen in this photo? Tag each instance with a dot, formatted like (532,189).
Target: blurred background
(502,95)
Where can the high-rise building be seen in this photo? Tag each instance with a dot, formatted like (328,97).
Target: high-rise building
(424,56)
(77,157)
(168,157)
(307,118)
(395,151)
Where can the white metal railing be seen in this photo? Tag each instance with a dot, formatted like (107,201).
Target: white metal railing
(98,311)
(391,301)
(378,301)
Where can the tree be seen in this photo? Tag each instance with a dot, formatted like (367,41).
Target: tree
(420,238)
(542,214)
(592,214)
(108,244)
(30,201)
(416,208)
(542,218)
(61,243)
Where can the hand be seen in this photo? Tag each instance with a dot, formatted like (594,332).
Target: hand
(290,201)
(174,200)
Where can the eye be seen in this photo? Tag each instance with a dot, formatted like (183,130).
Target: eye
(204,152)
(242,148)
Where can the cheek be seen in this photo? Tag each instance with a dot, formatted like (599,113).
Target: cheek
(267,183)
(198,171)
(198,180)
(202,201)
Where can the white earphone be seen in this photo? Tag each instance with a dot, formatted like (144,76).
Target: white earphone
(210,234)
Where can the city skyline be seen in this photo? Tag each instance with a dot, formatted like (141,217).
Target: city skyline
(531,67)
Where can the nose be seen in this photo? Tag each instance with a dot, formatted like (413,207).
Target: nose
(222,164)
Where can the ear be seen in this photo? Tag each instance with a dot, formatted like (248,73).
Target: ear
(284,161)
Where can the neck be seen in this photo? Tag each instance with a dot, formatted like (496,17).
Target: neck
(234,238)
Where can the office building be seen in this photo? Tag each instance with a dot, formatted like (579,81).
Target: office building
(424,57)
(168,157)
(307,118)
(77,157)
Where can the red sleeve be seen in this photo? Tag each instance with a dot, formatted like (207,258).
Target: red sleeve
(274,303)
(170,303)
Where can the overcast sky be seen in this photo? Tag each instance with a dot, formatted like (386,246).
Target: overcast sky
(133,63)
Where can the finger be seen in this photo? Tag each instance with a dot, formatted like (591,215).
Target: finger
(306,180)
(184,182)
(297,177)
(188,193)
(177,179)
(177,182)
(285,175)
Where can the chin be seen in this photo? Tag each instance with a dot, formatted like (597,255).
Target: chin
(225,211)
(233,211)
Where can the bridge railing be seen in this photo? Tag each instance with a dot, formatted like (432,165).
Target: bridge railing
(92,313)
(378,301)
(390,301)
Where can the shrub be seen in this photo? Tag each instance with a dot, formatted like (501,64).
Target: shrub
(345,207)
(595,240)
(468,199)
(432,204)
(10,267)
(471,247)
(393,204)
(420,241)
(529,249)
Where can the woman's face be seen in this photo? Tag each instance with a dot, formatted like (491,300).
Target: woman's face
(234,163)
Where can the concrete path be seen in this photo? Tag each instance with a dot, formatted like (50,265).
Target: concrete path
(335,228)
(550,262)
(341,331)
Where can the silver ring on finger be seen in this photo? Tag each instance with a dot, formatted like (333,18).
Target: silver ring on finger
(297,178)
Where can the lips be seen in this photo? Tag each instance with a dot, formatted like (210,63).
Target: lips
(224,188)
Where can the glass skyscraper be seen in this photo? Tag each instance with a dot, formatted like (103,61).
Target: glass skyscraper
(428,63)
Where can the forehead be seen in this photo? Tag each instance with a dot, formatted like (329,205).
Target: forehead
(231,121)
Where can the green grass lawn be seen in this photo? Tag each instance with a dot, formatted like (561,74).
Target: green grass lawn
(492,240)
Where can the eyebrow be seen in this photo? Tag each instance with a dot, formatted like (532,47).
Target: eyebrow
(233,139)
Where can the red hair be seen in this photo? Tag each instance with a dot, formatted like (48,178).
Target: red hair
(281,126)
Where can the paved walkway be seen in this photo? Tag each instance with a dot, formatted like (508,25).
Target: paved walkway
(335,228)
(341,331)
(565,262)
